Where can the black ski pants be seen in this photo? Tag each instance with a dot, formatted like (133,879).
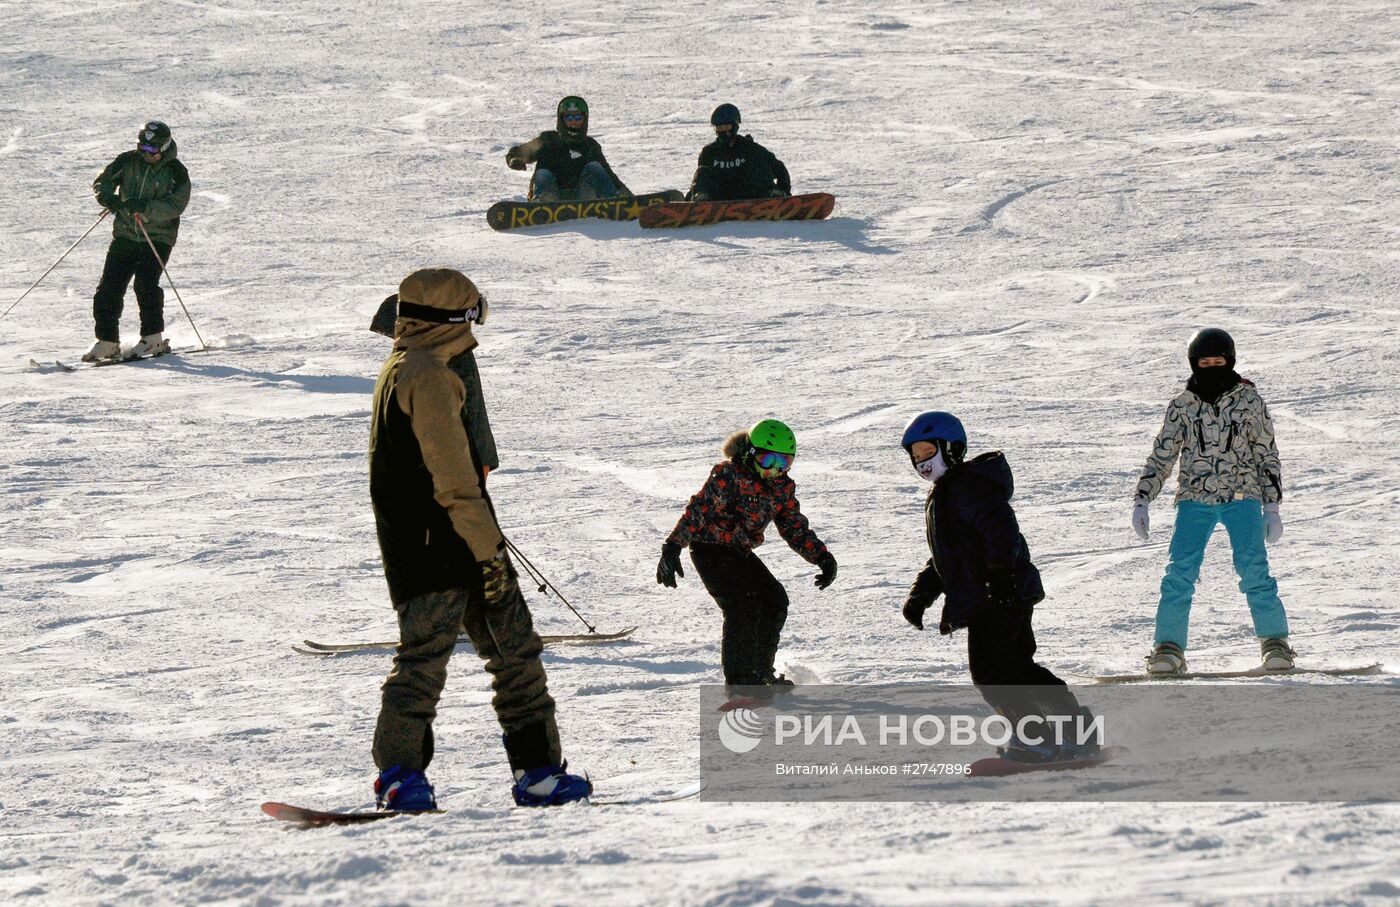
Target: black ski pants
(1001,655)
(127,258)
(754,605)
(504,636)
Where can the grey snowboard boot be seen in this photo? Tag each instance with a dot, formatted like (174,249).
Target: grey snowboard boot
(1166,658)
(1278,655)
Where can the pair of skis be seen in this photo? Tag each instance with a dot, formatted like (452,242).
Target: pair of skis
(309,647)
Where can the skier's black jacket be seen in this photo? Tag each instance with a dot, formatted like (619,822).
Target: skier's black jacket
(566,160)
(742,169)
(972,531)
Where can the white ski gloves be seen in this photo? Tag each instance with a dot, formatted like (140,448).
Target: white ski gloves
(1273,524)
(1140,519)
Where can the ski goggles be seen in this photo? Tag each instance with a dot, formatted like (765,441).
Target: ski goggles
(771,459)
(724,128)
(149,149)
(575,119)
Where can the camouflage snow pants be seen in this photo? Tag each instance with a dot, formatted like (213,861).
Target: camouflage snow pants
(504,636)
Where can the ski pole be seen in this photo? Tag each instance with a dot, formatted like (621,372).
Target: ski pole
(142,227)
(104,213)
(545,584)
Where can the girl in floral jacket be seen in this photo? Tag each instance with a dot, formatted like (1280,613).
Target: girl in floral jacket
(722,524)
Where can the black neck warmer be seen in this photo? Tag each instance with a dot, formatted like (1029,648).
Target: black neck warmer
(1211,383)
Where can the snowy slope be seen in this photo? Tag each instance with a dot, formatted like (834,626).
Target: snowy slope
(1037,204)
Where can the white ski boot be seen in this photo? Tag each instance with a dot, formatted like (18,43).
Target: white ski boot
(1167,658)
(1278,655)
(103,349)
(151,345)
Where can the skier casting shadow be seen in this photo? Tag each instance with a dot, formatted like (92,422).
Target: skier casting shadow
(147,190)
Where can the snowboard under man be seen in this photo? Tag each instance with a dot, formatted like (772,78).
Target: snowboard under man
(981,565)
(1230,474)
(722,524)
(734,166)
(444,559)
(569,163)
(146,189)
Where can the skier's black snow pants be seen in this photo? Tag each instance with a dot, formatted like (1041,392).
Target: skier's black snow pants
(504,636)
(126,258)
(755,607)
(1001,655)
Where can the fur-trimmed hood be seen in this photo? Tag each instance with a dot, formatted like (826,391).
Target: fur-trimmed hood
(736,445)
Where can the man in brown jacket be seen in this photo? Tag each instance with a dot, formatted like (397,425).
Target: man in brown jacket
(445,560)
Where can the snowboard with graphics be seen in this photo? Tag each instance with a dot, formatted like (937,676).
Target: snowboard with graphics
(817,206)
(511,215)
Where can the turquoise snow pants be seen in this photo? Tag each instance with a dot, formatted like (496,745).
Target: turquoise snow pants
(1244,523)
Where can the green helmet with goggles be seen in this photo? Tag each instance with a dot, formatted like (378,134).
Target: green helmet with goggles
(772,447)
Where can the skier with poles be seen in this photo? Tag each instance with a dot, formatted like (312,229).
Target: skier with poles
(445,561)
(1230,474)
(980,564)
(147,190)
(722,524)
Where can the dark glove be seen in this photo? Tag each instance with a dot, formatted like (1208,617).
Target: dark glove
(828,576)
(108,198)
(495,578)
(669,567)
(914,612)
(134,207)
(1001,586)
(515,163)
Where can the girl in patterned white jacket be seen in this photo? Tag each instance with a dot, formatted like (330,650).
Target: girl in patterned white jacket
(1230,474)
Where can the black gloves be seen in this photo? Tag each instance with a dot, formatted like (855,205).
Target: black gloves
(669,567)
(515,163)
(828,565)
(495,577)
(108,197)
(914,612)
(1001,586)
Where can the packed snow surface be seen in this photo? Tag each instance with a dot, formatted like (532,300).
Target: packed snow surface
(1037,205)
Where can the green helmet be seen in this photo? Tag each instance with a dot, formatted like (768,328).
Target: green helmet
(770,434)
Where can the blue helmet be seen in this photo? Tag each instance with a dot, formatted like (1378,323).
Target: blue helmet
(940,429)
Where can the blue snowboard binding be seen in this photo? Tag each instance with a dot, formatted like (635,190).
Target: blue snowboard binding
(550,785)
(405,790)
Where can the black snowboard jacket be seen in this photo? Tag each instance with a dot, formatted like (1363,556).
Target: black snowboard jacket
(549,151)
(743,169)
(972,531)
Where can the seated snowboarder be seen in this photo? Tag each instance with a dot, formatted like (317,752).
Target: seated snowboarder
(569,163)
(734,166)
